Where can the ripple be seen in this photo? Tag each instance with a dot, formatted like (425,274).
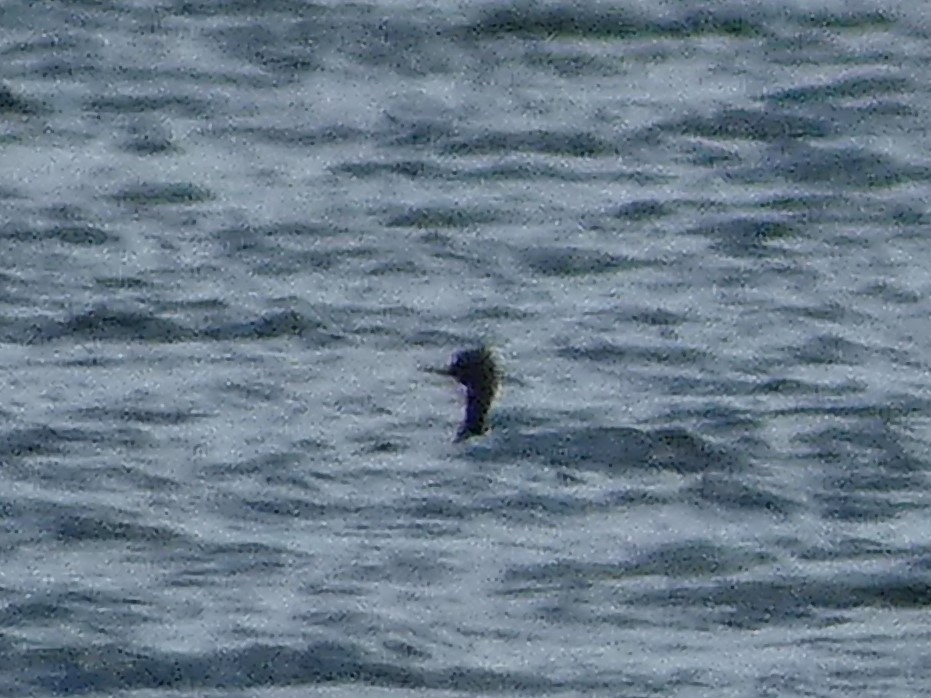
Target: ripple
(571,143)
(286,323)
(529,20)
(845,87)
(575,261)
(162,194)
(106,324)
(108,668)
(847,167)
(758,125)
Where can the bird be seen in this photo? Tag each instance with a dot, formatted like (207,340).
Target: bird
(478,371)
(714,471)
(589,446)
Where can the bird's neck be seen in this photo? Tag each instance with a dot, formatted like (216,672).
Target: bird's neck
(476,416)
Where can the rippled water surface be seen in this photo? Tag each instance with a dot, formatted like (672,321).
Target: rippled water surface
(234,234)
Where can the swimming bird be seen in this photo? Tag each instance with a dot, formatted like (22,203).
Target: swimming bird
(589,446)
(572,448)
(478,372)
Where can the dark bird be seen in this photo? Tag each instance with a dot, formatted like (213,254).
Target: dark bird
(588,446)
(478,372)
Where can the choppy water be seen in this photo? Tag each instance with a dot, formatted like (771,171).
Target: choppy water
(233,233)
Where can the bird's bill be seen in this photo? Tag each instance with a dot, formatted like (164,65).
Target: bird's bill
(438,371)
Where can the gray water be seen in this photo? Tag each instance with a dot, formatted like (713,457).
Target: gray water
(233,234)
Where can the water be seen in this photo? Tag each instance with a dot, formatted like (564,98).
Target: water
(233,235)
